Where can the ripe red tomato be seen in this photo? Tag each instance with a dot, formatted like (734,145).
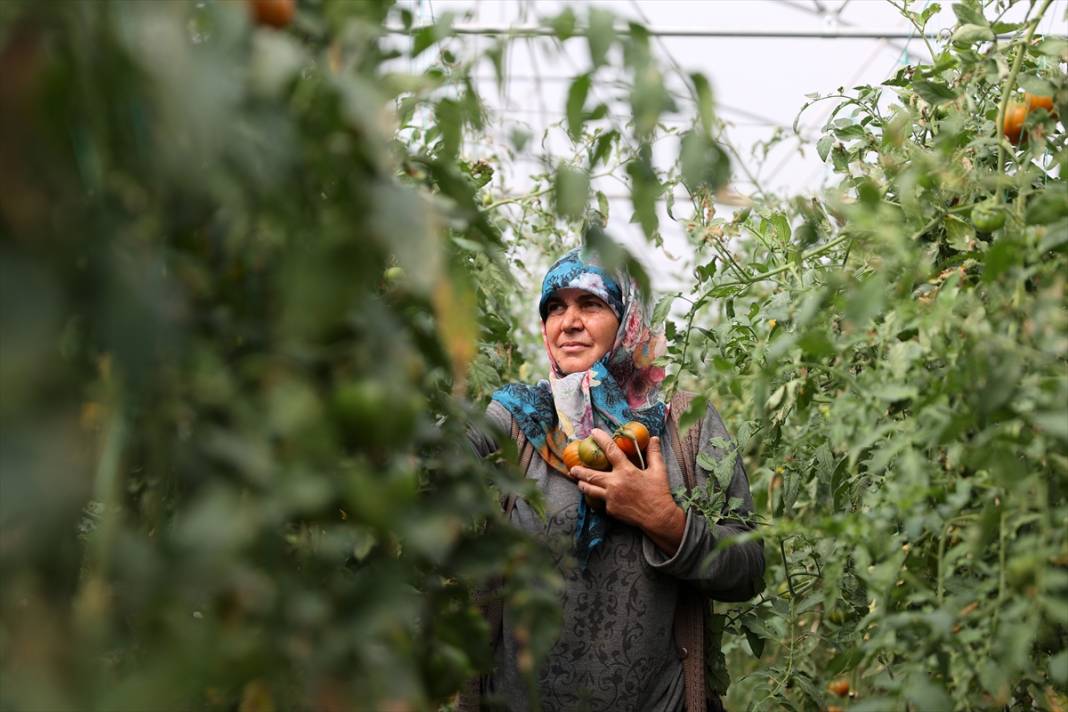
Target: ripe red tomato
(273,13)
(632,438)
(1037,101)
(839,687)
(1015,115)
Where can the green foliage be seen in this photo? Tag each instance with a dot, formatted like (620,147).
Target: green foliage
(904,372)
(254,285)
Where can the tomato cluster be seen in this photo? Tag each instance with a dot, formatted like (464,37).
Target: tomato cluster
(632,438)
(1016,114)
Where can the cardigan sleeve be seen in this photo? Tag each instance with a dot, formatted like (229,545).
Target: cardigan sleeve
(708,556)
(483,439)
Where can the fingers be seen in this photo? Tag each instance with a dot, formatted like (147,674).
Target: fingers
(608,445)
(585,474)
(592,490)
(654,453)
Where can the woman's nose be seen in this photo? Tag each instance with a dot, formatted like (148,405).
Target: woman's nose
(572,318)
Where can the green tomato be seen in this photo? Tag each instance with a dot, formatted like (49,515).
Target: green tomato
(372,413)
(988,216)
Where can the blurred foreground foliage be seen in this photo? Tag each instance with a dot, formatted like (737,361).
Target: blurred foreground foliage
(252,289)
(233,470)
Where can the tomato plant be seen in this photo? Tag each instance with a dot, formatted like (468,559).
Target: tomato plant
(871,338)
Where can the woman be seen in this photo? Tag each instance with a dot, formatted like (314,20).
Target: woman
(624,568)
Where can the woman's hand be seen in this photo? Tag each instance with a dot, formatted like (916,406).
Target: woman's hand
(638,497)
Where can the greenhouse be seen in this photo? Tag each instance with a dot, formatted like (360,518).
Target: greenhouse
(533,355)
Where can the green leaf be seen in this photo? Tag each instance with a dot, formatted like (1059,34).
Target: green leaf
(960,235)
(576,101)
(776,398)
(694,413)
(705,102)
(850,132)
(934,93)
(602,205)
(602,147)
(601,35)
(1058,668)
(1037,85)
(928,12)
(1057,236)
(663,306)
(449,116)
(571,189)
(425,37)
(816,344)
(1053,422)
(648,99)
(1048,206)
(999,258)
(645,189)
(893,392)
(925,694)
(756,643)
(969,14)
(967,35)
(823,147)
(791,488)
(563,25)
(866,301)
(1053,46)
(495,54)
(781,227)
(702,163)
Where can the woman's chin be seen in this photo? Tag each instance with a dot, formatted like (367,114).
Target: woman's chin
(569,366)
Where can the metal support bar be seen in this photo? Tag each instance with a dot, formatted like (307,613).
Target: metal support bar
(840,33)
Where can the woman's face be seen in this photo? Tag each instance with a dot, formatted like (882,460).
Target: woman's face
(579,329)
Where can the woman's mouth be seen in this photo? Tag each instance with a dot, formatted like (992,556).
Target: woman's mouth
(573,347)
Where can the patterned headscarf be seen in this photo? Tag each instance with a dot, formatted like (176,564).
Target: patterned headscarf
(623,385)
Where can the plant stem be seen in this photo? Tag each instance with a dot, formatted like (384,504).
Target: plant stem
(815,252)
(685,346)
(543,191)
(786,567)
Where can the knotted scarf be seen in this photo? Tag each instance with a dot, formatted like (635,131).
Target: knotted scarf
(623,385)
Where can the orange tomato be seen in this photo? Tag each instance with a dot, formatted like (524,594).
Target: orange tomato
(273,13)
(631,438)
(839,687)
(1037,101)
(571,454)
(593,456)
(1015,115)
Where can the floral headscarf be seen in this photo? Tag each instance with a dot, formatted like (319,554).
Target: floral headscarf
(623,385)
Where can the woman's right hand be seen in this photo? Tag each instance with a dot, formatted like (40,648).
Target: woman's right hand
(638,497)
